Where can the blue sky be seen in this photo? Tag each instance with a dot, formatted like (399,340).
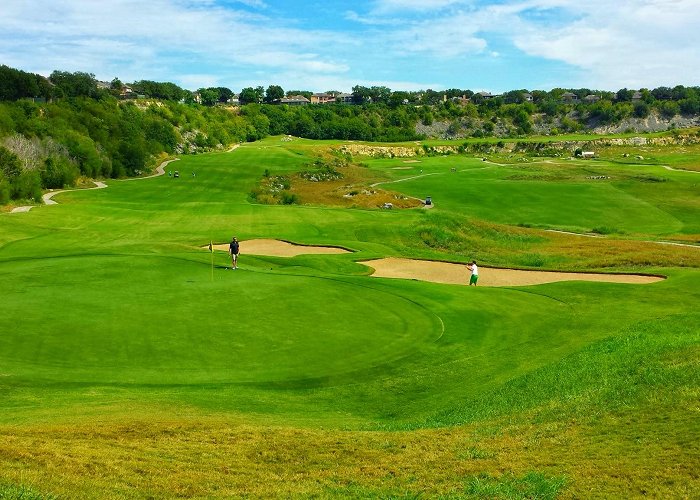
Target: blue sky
(333,45)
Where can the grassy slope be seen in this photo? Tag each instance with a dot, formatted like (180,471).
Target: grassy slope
(567,199)
(112,316)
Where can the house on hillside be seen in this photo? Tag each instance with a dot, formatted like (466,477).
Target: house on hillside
(486,95)
(569,97)
(527,97)
(127,93)
(344,98)
(591,98)
(322,98)
(295,100)
(234,100)
(637,96)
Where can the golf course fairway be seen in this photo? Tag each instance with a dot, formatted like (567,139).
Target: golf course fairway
(134,363)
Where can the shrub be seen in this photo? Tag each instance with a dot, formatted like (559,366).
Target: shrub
(58,172)
(289,198)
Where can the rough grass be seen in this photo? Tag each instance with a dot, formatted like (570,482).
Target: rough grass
(620,421)
(509,246)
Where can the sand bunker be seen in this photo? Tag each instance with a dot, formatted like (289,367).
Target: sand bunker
(277,248)
(458,274)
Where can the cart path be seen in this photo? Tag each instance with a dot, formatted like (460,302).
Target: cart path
(680,169)
(47,197)
(160,170)
(690,245)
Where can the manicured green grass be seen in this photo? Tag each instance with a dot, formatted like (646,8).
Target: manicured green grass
(112,312)
(562,194)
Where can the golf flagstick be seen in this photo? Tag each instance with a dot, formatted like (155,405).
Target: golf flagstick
(211,251)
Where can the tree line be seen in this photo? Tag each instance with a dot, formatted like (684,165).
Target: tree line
(55,130)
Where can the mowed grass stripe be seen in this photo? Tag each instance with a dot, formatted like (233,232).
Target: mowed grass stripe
(245,326)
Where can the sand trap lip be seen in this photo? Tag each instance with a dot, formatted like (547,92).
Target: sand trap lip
(458,274)
(280,248)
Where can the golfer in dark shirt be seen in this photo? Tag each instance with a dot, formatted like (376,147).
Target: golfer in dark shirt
(233,249)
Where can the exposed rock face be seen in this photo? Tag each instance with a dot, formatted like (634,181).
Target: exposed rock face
(395,151)
(652,123)
(542,125)
(513,145)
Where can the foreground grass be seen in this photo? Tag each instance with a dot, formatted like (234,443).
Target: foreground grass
(634,434)
(129,369)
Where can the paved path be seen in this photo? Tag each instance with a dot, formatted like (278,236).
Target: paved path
(680,169)
(47,197)
(640,241)
(160,170)
(21,209)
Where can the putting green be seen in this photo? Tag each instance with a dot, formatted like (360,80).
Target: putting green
(182,327)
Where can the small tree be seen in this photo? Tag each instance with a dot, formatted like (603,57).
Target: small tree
(10,165)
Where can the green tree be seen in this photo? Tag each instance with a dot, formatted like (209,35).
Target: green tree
(208,97)
(273,93)
(10,165)
(251,95)
(668,109)
(624,95)
(58,172)
(641,109)
(690,106)
(16,84)
(75,84)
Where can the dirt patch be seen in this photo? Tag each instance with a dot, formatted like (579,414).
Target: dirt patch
(411,161)
(277,248)
(458,274)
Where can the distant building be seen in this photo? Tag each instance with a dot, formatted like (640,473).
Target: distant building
(295,100)
(637,96)
(331,98)
(128,93)
(527,97)
(322,98)
(569,97)
(592,98)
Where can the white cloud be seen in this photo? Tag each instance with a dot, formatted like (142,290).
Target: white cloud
(394,6)
(630,43)
(444,38)
(137,39)
(195,81)
(636,43)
